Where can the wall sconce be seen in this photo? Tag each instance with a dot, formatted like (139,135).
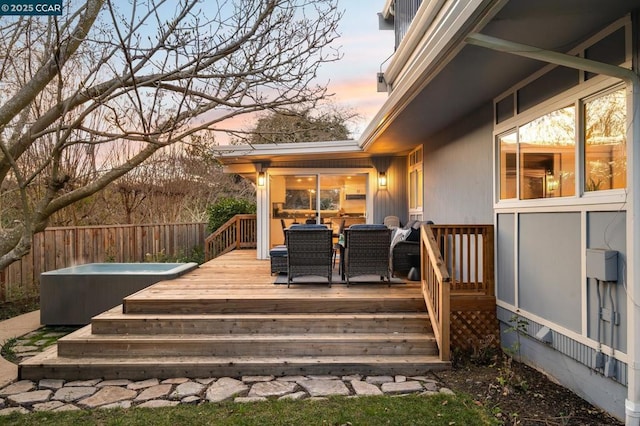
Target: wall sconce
(262,178)
(382,180)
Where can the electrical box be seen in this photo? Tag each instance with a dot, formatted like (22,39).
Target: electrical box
(602,264)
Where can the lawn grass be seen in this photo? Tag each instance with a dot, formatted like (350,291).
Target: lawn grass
(384,410)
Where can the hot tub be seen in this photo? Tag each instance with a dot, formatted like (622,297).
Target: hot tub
(71,296)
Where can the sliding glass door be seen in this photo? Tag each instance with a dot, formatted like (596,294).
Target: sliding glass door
(316,198)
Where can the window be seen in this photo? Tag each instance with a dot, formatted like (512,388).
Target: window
(605,161)
(566,136)
(547,155)
(508,165)
(415,180)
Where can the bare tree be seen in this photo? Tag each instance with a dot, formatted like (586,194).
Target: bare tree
(142,73)
(298,125)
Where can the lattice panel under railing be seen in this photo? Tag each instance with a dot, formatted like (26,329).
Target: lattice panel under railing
(474,330)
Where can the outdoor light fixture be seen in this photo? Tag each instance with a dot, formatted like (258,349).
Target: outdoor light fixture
(261,179)
(382,180)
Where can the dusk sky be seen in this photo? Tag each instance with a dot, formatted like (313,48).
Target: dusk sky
(352,79)
(364,48)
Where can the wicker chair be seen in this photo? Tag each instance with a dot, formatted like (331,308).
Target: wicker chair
(367,251)
(310,251)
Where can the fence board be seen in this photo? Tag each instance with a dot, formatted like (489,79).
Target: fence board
(60,247)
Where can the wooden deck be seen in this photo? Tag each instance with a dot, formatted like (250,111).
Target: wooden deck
(227,318)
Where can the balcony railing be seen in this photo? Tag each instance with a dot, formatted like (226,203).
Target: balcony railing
(404,12)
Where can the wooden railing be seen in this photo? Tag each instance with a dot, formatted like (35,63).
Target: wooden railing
(435,289)
(237,233)
(457,264)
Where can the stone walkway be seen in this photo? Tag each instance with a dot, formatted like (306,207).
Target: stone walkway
(57,395)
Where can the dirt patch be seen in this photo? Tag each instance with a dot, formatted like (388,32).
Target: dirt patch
(519,395)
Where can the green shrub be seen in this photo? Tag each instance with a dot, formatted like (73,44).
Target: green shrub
(225,208)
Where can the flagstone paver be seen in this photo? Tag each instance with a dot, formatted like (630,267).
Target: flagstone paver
(267,389)
(108,395)
(18,387)
(73,393)
(28,398)
(11,410)
(154,392)
(364,388)
(225,388)
(378,380)
(324,387)
(402,387)
(193,399)
(143,384)
(186,389)
(54,384)
(157,403)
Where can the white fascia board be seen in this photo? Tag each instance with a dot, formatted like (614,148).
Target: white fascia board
(439,37)
(282,149)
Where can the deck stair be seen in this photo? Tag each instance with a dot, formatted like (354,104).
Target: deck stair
(203,325)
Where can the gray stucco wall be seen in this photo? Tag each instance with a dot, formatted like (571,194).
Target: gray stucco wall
(549,260)
(458,171)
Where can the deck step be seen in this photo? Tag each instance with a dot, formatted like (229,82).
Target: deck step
(48,364)
(204,304)
(113,322)
(83,343)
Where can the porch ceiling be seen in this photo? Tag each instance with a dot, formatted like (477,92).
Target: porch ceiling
(476,75)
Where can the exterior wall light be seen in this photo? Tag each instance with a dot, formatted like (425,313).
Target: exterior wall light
(382,180)
(262,178)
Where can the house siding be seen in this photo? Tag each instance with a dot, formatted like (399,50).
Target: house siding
(458,171)
(391,201)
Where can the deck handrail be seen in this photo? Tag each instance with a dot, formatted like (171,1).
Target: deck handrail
(435,289)
(237,233)
(456,261)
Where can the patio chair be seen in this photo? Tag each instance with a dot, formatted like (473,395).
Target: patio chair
(367,251)
(309,251)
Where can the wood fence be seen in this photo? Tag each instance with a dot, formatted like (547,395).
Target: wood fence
(62,247)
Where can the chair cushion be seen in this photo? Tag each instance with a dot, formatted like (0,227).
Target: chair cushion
(278,251)
(361,226)
(305,226)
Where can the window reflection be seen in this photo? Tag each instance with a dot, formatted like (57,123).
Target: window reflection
(606,142)
(547,155)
